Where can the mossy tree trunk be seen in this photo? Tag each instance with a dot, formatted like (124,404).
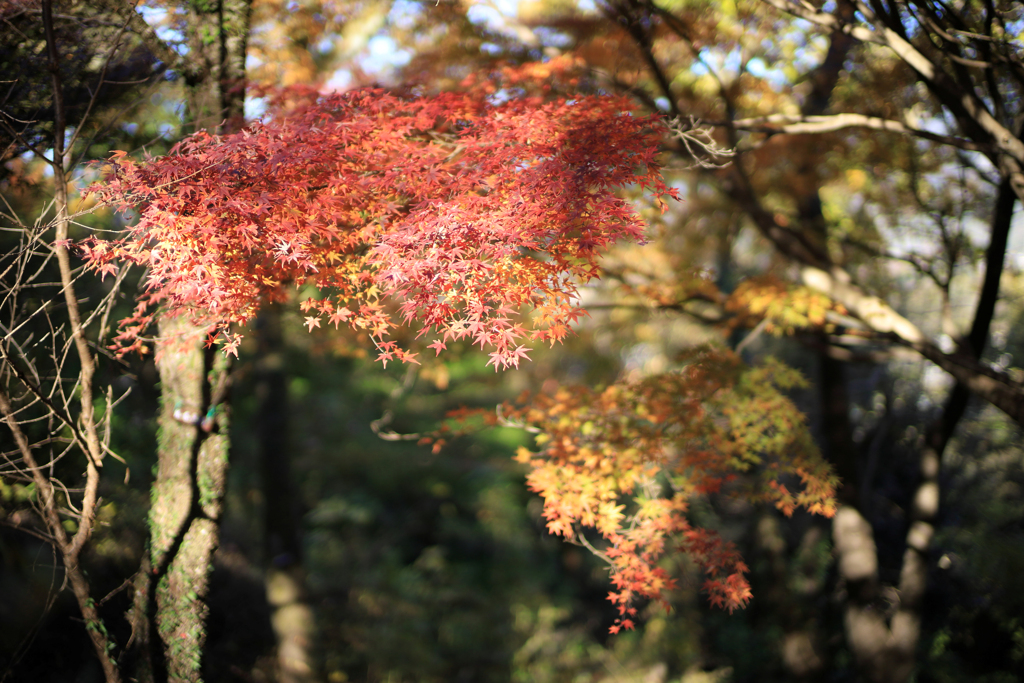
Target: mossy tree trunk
(186,498)
(170,610)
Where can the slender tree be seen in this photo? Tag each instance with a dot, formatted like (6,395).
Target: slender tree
(52,396)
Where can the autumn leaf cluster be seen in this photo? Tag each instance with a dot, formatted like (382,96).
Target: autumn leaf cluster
(625,461)
(453,213)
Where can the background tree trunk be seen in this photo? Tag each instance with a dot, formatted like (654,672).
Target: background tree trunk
(292,616)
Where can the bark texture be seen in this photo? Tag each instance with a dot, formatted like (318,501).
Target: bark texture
(186,501)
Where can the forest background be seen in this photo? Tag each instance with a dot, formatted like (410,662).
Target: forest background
(849,175)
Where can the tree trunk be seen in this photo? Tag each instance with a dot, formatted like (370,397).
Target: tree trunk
(291,615)
(187,497)
(192,449)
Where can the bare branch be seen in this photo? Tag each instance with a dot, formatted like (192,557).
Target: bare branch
(803,125)
(706,151)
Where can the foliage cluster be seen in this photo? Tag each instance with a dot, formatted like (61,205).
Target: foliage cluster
(626,460)
(461,211)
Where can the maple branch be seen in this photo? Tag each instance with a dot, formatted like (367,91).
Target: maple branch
(800,125)
(709,317)
(505,421)
(752,335)
(389,414)
(579,538)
